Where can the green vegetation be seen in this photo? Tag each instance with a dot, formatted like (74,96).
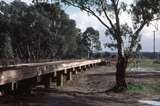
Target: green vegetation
(135,88)
(45,31)
(144,88)
(143,12)
(145,63)
(42,31)
(150,63)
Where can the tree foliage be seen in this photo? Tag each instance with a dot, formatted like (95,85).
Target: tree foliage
(89,42)
(124,38)
(39,31)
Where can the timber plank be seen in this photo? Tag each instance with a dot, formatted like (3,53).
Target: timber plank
(30,70)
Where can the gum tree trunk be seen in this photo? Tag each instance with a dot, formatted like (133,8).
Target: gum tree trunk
(121,73)
(121,66)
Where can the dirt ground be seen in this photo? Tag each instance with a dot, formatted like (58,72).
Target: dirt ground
(88,89)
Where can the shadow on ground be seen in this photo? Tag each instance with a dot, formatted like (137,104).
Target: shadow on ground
(131,74)
(94,82)
(55,97)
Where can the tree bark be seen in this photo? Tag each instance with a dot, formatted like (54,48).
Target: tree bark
(121,73)
(121,66)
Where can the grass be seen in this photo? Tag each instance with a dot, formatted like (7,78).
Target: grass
(147,63)
(144,88)
(135,88)
(149,88)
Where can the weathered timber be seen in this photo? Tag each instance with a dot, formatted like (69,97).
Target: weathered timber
(69,74)
(88,66)
(78,69)
(59,78)
(65,71)
(14,73)
(46,80)
(84,68)
(24,86)
(75,71)
(53,76)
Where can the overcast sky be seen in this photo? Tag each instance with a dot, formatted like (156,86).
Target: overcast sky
(83,21)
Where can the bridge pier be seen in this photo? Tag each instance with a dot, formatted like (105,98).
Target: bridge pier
(92,65)
(46,80)
(23,86)
(79,69)
(20,78)
(69,74)
(84,68)
(53,76)
(60,78)
(88,67)
(6,89)
(14,85)
(75,71)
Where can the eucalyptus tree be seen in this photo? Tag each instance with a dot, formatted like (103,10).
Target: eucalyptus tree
(17,30)
(63,30)
(70,33)
(38,31)
(142,13)
(90,41)
(6,49)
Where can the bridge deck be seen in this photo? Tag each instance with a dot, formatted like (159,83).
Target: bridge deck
(19,72)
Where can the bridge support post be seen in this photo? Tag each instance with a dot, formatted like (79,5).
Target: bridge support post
(94,65)
(53,76)
(69,75)
(79,69)
(60,78)
(91,65)
(75,71)
(24,86)
(6,89)
(84,68)
(14,86)
(46,79)
(88,67)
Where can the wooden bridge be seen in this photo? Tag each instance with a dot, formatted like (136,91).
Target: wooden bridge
(22,77)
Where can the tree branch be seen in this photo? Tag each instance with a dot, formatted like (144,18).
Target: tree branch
(93,13)
(155,19)
(117,2)
(140,28)
(87,9)
(117,18)
(136,34)
(104,10)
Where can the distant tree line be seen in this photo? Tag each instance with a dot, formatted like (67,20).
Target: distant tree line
(42,31)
